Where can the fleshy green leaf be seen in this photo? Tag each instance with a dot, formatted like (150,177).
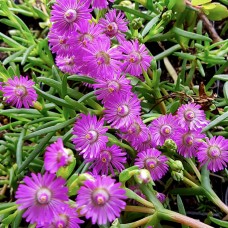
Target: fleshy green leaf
(199,2)
(215,11)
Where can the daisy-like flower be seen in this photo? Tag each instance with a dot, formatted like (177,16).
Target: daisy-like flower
(59,42)
(67,64)
(114,25)
(67,13)
(136,132)
(188,142)
(214,152)
(101,199)
(19,92)
(111,85)
(121,110)
(67,217)
(101,4)
(86,34)
(42,197)
(190,116)
(109,158)
(101,59)
(135,57)
(152,160)
(56,156)
(162,128)
(89,135)
(147,142)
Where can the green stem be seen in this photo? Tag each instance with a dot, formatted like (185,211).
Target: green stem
(189,182)
(138,223)
(148,81)
(193,166)
(139,209)
(182,219)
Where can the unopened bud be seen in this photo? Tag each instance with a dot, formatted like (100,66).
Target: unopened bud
(136,23)
(177,176)
(143,176)
(170,145)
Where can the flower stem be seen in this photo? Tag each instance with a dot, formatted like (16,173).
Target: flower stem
(179,218)
(138,223)
(189,182)
(193,166)
(139,209)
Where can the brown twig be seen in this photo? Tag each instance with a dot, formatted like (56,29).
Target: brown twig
(210,28)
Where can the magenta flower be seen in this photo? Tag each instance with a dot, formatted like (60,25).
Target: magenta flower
(56,156)
(114,25)
(188,142)
(135,57)
(152,160)
(67,217)
(136,132)
(161,197)
(87,33)
(42,197)
(101,4)
(109,158)
(89,135)
(162,128)
(19,92)
(121,110)
(147,143)
(67,13)
(111,85)
(67,64)
(59,42)
(101,59)
(190,116)
(214,153)
(101,199)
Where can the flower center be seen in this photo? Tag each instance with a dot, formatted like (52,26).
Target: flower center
(20,91)
(151,163)
(188,139)
(92,136)
(70,15)
(214,152)
(135,57)
(85,39)
(113,86)
(105,156)
(134,128)
(100,196)
(102,58)
(123,110)
(43,196)
(111,29)
(166,130)
(189,115)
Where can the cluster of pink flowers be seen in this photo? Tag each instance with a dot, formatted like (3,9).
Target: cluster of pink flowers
(100,51)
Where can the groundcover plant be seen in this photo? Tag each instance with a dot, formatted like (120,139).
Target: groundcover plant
(113,113)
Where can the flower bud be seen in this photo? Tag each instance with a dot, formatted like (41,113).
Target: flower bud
(143,176)
(177,176)
(136,23)
(170,145)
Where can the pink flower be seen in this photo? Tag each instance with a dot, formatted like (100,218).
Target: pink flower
(89,135)
(101,199)
(101,4)
(162,128)
(188,142)
(102,59)
(19,92)
(110,85)
(56,156)
(114,25)
(41,197)
(121,110)
(109,158)
(67,13)
(191,117)
(135,57)
(214,153)
(152,160)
